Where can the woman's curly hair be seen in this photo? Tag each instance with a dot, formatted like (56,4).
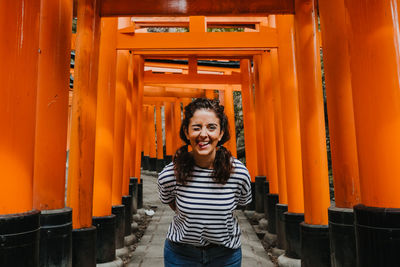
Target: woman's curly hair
(184,161)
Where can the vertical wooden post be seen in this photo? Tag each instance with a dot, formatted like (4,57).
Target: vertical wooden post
(134,112)
(103,161)
(269,124)
(152,139)
(249,118)
(230,113)
(81,158)
(177,122)
(160,146)
(342,131)
(210,94)
(146,136)
(313,142)
(52,105)
(259,111)
(373,42)
(137,92)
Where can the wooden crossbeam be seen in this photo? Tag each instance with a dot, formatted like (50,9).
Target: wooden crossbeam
(151,78)
(220,87)
(153,91)
(194,7)
(198,40)
(158,99)
(185,67)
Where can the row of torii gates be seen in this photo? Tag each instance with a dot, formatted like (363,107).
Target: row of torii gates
(122,72)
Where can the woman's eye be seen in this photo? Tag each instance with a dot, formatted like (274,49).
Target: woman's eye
(212,127)
(196,129)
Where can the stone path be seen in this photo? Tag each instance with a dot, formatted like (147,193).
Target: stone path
(149,252)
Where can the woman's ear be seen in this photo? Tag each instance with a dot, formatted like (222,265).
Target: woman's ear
(221,135)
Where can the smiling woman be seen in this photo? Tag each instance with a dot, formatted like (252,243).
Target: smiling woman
(204,187)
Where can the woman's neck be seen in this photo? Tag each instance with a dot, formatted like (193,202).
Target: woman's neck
(206,161)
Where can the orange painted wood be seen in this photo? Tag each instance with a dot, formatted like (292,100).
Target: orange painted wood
(169,149)
(152,78)
(210,94)
(312,123)
(230,113)
(134,107)
(280,150)
(161,91)
(19,69)
(228,53)
(177,123)
(81,157)
(374,67)
(266,83)
(259,111)
(193,64)
(146,130)
(340,105)
(192,7)
(138,87)
(198,40)
(104,144)
(249,118)
(160,145)
(152,136)
(52,105)
(197,24)
(121,96)
(290,113)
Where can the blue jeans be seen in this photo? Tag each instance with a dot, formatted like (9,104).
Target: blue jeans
(180,255)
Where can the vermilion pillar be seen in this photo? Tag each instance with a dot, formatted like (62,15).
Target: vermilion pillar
(169,151)
(342,132)
(134,112)
(291,135)
(152,140)
(103,164)
(128,131)
(269,124)
(259,112)
(160,146)
(249,118)
(19,69)
(81,157)
(230,113)
(313,143)
(137,93)
(177,123)
(146,137)
(373,42)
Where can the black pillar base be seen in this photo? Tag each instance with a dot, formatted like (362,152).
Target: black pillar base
(265,199)
(140,195)
(145,163)
(292,234)
(315,251)
(119,212)
(160,164)
(56,237)
(19,239)
(153,164)
(127,202)
(84,247)
(342,237)
(259,191)
(272,200)
(133,191)
(377,236)
(280,225)
(105,244)
(167,159)
(252,204)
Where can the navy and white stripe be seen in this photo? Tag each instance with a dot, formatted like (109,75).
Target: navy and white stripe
(205,208)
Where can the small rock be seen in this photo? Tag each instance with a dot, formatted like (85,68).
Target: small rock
(263,224)
(141,212)
(277,252)
(134,227)
(130,240)
(136,217)
(270,239)
(258,216)
(249,213)
(284,261)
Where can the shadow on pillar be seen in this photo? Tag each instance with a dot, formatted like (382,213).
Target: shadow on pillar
(127,202)
(315,251)
(56,237)
(146,163)
(152,164)
(265,198)
(167,159)
(140,194)
(342,237)
(292,234)
(105,243)
(133,191)
(377,236)
(259,193)
(119,212)
(84,247)
(272,200)
(19,239)
(280,225)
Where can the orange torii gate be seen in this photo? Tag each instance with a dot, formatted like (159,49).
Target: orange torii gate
(294,45)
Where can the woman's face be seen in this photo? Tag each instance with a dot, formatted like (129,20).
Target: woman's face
(204,132)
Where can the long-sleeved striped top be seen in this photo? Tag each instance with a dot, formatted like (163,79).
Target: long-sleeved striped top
(204,208)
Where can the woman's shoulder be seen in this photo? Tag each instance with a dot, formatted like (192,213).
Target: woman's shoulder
(239,169)
(167,172)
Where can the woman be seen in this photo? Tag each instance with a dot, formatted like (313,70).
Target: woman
(204,187)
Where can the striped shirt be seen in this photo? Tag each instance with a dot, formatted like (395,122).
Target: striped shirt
(204,208)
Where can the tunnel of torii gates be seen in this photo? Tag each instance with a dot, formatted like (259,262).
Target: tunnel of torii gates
(123,75)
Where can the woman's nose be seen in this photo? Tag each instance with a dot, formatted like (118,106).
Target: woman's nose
(203,132)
